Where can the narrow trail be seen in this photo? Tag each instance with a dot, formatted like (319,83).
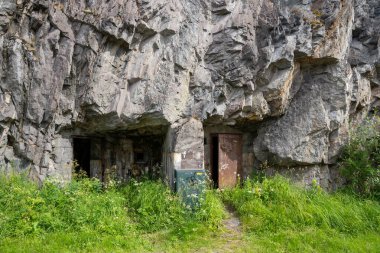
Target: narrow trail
(232,237)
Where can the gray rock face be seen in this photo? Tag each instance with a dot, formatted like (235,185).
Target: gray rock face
(291,75)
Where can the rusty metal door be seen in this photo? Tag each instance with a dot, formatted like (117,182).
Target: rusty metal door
(230,159)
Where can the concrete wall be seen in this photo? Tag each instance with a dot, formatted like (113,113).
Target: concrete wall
(186,145)
(183,148)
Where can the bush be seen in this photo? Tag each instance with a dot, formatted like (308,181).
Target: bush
(360,163)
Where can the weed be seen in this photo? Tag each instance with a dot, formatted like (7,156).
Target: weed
(360,162)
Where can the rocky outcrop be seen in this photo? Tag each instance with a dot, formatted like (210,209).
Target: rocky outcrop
(293,74)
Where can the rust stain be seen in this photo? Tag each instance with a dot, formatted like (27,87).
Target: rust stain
(230,159)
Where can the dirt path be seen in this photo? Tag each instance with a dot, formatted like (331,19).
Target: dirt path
(232,237)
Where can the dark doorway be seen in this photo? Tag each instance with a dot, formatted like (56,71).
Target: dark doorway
(214,160)
(82,151)
(226,159)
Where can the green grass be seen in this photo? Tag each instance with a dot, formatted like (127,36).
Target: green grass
(82,216)
(313,240)
(280,217)
(147,217)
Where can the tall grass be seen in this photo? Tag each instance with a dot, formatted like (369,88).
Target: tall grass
(275,204)
(84,216)
(85,213)
(154,207)
(27,209)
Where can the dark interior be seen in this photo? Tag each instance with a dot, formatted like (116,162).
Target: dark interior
(82,149)
(215,160)
(147,156)
(139,157)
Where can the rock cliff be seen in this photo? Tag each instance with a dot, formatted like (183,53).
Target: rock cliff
(292,75)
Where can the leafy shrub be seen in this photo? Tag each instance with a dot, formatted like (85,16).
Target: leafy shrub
(275,204)
(361,159)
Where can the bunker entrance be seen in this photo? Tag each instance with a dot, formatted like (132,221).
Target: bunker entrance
(214,160)
(225,159)
(119,155)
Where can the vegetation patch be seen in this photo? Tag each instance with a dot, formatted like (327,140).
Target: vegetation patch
(86,216)
(360,161)
(277,216)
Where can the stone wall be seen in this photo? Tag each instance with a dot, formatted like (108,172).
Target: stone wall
(292,76)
